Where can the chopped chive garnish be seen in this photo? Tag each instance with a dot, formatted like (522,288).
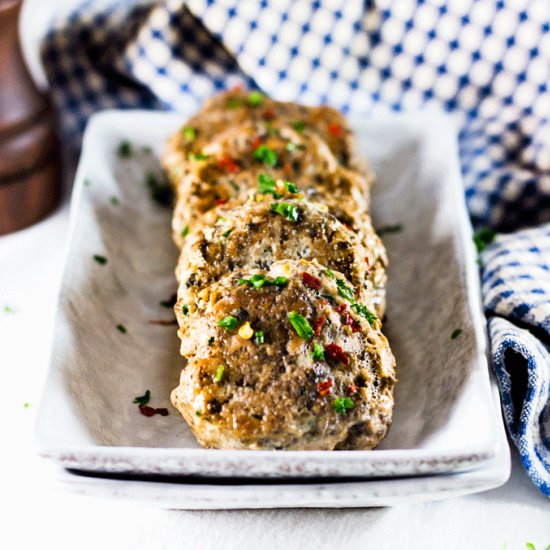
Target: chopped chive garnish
(125,149)
(258,281)
(288,211)
(229,322)
(185,231)
(255,98)
(122,329)
(266,184)
(259,337)
(330,273)
(226,234)
(161,192)
(299,125)
(300,325)
(318,352)
(198,156)
(291,187)
(198,413)
(389,229)
(483,238)
(190,134)
(219,374)
(114,201)
(8,309)
(456,333)
(343,404)
(234,102)
(185,309)
(365,312)
(142,400)
(345,291)
(26,405)
(266,155)
(101,260)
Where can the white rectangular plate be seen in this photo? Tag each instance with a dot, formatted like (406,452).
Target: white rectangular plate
(444,417)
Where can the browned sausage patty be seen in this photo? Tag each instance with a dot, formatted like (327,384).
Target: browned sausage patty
(255,235)
(287,363)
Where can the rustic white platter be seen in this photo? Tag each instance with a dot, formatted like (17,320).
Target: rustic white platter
(445,419)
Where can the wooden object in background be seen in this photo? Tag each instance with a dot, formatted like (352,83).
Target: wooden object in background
(30,175)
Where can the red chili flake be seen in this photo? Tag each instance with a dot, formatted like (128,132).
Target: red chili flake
(323,302)
(335,129)
(352,389)
(269,114)
(256,142)
(227,163)
(311,281)
(287,167)
(349,227)
(353,323)
(337,353)
(367,260)
(325,387)
(341,308)
(150,411)
(318,325)
(219,202)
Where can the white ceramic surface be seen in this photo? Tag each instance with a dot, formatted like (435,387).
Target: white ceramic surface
(444,420)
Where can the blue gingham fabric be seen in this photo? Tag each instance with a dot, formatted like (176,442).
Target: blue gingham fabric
(485,61)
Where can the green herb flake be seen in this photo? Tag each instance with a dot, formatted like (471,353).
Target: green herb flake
(456,333)
(483,238)
(347,292)
(114,201)
(234,102)
(299,125)
(9,309)
(198,156)
(330,273)
(290,146)
(101,260)
(258,281)
(198,413)
(266,155)
(219,374)
(125,149)
(26,405)
(318,352)
(122,329)
(389,229)
(259,337)
(291,187)
(255,98)
(288,211)
(142,400)
(266,184)
(185,309)
(161,191)
(185,231)
(343,404)
(366,313)
(190,134)
(229,322)
(86,183)
(300,325)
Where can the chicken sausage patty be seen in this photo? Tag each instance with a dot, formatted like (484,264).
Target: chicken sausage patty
(258,233)
(281,359)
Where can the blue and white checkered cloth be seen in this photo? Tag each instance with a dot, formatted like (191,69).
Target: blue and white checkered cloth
(485,61)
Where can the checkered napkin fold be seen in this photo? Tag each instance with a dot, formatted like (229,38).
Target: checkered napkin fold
(486,62)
